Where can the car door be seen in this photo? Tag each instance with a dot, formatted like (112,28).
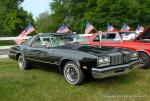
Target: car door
(38,50)
(96,40)
(110,39)
(48,55)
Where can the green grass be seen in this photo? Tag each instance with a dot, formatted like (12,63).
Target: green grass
(44,85)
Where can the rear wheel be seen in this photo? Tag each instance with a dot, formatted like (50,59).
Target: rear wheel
(144,59)
(73,74)
(23,63)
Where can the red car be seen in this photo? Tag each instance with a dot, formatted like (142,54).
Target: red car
(141,43)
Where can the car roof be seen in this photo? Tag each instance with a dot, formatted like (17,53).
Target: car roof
(125,31)
(113,32)
(107,32)
(57,34)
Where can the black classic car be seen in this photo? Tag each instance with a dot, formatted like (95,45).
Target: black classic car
(74,57)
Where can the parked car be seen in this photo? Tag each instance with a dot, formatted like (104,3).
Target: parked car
(141,43)
(76,61)
(128,35)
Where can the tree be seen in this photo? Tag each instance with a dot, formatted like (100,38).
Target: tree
(13,19)
(99,12)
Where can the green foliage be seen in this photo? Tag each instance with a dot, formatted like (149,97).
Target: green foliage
(7,43)
(99,12)
(47,23)
(13,19)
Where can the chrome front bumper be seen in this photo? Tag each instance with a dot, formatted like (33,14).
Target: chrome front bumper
(114,70)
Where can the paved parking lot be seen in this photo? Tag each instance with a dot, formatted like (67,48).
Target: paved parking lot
(4,53)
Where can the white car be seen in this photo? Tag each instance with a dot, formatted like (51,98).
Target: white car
(128,35)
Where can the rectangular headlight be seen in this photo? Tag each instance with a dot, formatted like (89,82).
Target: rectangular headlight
(103,61)
(106,59)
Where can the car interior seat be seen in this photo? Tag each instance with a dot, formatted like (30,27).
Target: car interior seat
(46,43)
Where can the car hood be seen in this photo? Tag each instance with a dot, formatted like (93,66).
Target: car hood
(95,50)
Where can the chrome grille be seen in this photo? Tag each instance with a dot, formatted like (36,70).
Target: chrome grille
(127,57)
(116,59)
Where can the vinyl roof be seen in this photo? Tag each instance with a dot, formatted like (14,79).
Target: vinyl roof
(40,34)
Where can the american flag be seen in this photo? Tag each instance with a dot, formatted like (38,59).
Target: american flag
(88,28)
(63,29)
(110,28)
(21,38)
(125,27)
(139,29)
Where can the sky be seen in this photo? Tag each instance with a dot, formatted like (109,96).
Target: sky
(36,6)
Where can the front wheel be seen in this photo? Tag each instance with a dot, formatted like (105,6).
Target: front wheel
(73,74)
(144,59)
(22,62)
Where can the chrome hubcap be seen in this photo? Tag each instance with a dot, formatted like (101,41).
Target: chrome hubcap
(71,73)
(21,63)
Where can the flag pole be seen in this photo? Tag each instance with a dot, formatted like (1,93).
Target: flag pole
(36,31)
(29,22)
(96,29)
(70,31)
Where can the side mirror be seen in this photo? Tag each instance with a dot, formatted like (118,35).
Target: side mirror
(118,40)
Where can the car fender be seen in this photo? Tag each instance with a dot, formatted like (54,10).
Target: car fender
(144,52)
(19,53)
(65,60)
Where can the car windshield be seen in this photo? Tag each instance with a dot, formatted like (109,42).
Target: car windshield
(128,35)
(27,40)
(59,40)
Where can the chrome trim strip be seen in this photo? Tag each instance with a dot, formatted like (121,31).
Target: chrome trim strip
(42,61)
